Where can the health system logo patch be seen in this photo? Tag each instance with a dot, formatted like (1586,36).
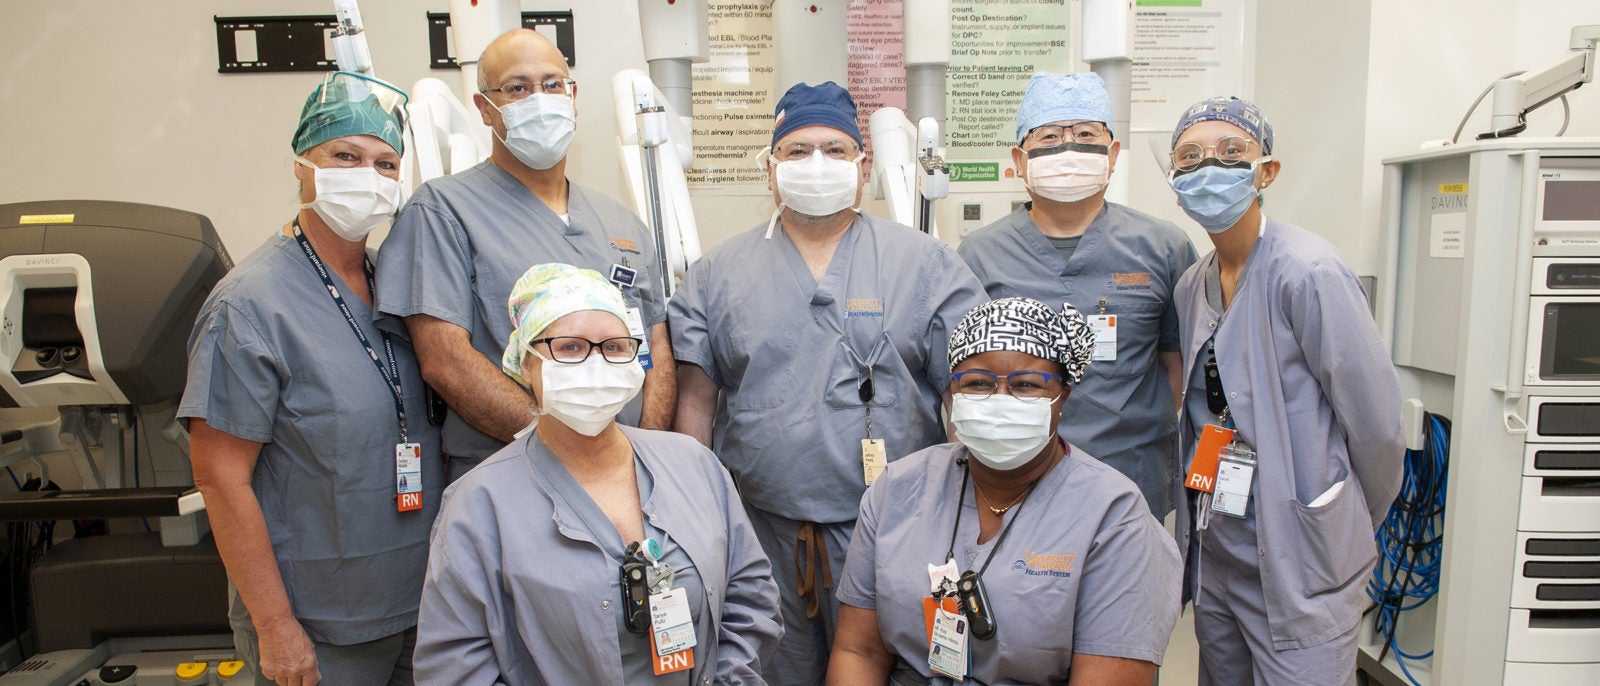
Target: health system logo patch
(1131,281)
(863,307)
(1046,564)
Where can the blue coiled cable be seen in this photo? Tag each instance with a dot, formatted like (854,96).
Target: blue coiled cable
(1411,539)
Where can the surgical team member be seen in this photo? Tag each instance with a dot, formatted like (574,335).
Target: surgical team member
(304,416)
(526,579)
(824,332)
(1078,583)
(464,239)
(1291,422)
(1118,265)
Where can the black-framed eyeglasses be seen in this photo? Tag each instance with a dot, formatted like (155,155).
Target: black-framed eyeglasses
(575,349)
(1024,385)
(1081,132)
(517,89)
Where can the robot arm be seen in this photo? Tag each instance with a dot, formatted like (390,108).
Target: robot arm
(1516,96)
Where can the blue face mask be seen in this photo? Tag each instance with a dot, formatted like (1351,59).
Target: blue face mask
(1217,196)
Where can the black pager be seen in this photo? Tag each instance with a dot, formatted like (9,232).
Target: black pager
(635,598)
(975,605)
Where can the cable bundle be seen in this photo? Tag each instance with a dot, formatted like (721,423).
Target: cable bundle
(1411,539)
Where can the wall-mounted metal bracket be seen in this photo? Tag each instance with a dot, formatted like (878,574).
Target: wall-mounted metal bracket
(266,44)
(557,26)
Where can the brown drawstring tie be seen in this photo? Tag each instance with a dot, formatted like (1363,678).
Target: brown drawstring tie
(810,547)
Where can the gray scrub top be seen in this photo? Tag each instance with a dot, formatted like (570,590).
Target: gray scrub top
(462,242)
(789,354)
(1085,569)
(519,591)
(1312,390)
(1122,411)
(273,361)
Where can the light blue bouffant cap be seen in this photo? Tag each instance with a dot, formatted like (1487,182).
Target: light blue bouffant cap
(1236,111)
(349,104)
(1062,97)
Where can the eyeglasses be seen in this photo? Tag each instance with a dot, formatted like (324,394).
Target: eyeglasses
(1024,385)
(1231,150)
(1081,132)
(799,150)
(573,349)
(517,89)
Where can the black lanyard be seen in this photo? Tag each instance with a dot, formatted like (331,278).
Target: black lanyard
(961,503)
(391,373)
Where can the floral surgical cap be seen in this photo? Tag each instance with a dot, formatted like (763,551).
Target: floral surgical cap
(547,292)
(1028,326)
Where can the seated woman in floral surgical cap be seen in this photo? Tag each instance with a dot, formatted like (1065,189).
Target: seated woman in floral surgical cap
(1009,556)
(552,557)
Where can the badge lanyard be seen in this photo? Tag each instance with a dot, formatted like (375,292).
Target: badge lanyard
(391,373)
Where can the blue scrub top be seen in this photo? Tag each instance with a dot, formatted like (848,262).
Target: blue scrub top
(1085,568)
(462,242)
(789,353)
(1122,411)
(272,360)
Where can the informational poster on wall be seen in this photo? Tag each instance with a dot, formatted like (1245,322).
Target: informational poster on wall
(995,47)
(876,59)
(1184,51)
(733,95)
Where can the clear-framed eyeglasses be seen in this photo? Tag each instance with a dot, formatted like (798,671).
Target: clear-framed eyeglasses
(1230,151)
(517,89)
(575,349)
(1081,132)
(1030,386)
(798,150)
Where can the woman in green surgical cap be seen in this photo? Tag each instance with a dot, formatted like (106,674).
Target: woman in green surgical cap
(306,417)
(585,551)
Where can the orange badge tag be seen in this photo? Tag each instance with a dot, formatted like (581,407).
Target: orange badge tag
(949,605)
(671,662)
(1203,469)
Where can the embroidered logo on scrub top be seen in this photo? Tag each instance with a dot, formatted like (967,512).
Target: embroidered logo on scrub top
(863,307)
(625,245)
(1043,564)
(1132,281)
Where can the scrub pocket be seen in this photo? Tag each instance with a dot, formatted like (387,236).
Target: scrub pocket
(1138,331)
(844,375)
(1336,543)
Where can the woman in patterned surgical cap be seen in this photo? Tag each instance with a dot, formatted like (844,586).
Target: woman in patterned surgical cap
(1007,556)
(586,551)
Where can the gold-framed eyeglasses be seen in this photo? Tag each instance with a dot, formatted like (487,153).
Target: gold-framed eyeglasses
(1031,386)
(575,349)
(517,89)
(1230,151)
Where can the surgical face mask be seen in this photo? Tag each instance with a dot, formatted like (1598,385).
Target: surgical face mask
(1217,195)
(587,396)
(818,185)
(352,201)
(1068,176)
(1003,432)
(539,128)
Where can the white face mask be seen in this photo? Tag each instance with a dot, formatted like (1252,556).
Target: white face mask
(818,185)
(352,201)
(587,396)
(1068,176)
(1001,431)
(539,128)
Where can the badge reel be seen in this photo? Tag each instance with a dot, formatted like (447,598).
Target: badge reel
(669,622)
(947,628)
(1236,468)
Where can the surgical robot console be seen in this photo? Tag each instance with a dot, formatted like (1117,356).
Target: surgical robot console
(97,300)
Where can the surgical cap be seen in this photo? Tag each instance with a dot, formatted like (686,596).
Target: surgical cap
(1062,97)
(1028,326)
(826,104)
(347,104)
(547,292)
(1238,112)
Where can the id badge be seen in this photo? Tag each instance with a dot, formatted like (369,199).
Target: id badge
(1203,468)
(873,459)
(947,650)
(636,329)
(408,476)
(671,631)
(1104,327)
(1236,469)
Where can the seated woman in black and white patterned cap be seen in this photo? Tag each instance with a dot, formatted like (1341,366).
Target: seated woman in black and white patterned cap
(1008,556)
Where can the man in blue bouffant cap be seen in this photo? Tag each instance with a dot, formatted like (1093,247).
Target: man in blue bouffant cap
(1116,265)
(811,352)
